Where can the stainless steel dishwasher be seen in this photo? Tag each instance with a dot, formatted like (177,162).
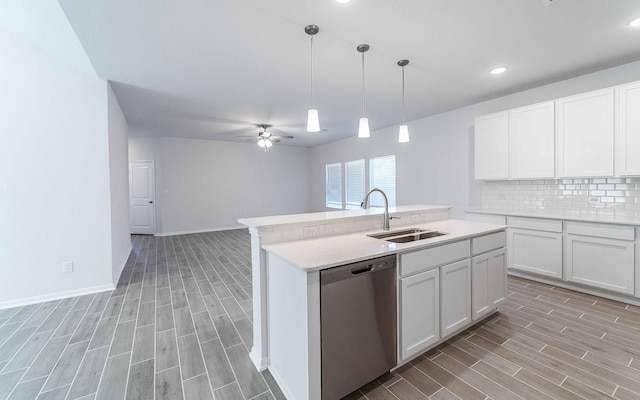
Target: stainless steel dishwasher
(358,324)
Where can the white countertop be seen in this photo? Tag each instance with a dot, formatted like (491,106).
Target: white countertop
(316,254)
(570,215)
(332,215)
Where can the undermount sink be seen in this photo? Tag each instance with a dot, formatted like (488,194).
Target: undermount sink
(406,235)
(414,237)
(384,235)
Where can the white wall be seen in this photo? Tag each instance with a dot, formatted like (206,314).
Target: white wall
(436,167)
(54,164)
(119,185)
(207,185)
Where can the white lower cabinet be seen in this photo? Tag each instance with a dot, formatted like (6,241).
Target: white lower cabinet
(535,245)
(455,297)
(489,282)
(419,312)
(604,263)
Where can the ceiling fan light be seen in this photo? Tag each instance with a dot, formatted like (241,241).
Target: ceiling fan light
(261,142)
(268,143)
(403,136)
(363,130)
(313,123)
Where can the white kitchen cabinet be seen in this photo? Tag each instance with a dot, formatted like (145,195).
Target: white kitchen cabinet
(584,128)
(455,297)
(489,282)
(593,260)
(491,145)
(419,313)
(628,130)
(532,141)
(535,245)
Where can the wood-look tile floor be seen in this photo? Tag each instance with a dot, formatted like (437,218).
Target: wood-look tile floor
(544,343)
(178,326)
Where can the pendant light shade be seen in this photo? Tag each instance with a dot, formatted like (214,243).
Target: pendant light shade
(313,123)
(403,134)
(363,130)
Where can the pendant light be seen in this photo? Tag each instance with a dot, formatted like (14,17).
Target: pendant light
(363,130)
(313,123)
(403,136)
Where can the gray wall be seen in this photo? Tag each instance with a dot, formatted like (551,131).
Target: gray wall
(207,185)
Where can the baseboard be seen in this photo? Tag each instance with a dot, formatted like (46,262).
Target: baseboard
(116,278)
(55,296)
(228,228)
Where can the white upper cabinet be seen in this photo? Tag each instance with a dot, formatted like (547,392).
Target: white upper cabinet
(532,141)
(492,146)
(584,127)
(628,129)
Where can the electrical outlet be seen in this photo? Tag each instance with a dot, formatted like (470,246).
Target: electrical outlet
(325,230)
(67,267)
(310,231)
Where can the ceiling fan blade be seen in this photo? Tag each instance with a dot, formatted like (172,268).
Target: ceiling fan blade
(274,140)
(281,137)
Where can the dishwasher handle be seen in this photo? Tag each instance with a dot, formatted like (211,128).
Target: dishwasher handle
(362,270)
(354,270)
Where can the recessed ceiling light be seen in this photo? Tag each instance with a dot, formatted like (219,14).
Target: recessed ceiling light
(634,23)
(498,70)
(343,1)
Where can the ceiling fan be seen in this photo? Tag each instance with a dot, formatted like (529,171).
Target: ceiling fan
(265,138)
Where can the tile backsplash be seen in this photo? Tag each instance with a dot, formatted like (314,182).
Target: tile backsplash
(596,197)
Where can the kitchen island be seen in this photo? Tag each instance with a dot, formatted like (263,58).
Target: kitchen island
(454,280)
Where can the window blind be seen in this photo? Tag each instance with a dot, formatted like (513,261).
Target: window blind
(354,183)
(382,175)
(333,184)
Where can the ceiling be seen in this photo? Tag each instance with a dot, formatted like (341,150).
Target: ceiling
(211,69)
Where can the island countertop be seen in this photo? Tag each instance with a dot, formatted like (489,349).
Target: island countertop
(332,251)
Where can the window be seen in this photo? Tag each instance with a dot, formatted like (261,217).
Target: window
(354,183)
(334,186)
(382,175)
(358,178)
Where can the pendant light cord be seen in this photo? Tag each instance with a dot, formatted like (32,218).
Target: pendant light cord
(402,95)
(363,85)
(311,71)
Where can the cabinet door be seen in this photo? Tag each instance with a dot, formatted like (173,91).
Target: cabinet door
(585,134)
(628,129)
(455,296)
(419,312)
(488,282)
(605,263)
(532,141)
(491,144)
(536,251)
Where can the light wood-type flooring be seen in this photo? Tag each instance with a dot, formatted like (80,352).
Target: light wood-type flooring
(178,326)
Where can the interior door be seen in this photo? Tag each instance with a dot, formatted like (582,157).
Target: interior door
(142,197)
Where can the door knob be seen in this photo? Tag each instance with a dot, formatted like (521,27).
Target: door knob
(150,201)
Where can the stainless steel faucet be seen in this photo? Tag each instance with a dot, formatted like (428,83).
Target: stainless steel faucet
(386,216)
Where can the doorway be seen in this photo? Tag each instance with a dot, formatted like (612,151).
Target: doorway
(142,197)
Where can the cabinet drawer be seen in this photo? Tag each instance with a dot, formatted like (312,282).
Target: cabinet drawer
(486,243)
(601,230)
(536,224)
(424,259)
